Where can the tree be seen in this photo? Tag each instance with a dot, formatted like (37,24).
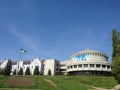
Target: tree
(49,72)
(7,69)
(116,68)
(20,71)
(36,70)
(114,44)
(14,72)
(1,71)
(27,72)
(116,55)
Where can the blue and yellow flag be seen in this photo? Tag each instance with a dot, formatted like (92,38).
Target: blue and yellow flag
(22,50)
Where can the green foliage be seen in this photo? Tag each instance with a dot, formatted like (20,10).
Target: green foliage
(7,69)
(20,71)
(36,70)
(114,39)
(116,68)
(27,72)
(14,72)
(1,71)
(49,72)
(116,55)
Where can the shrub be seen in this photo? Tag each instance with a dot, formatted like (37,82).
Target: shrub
(20,71)
(36,70)
(7,69)
(27,72)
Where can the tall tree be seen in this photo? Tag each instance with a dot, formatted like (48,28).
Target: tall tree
(116,55)
(1,71)
(14,72)
(7,69)
(20,71)
(27,72)
(36,70)
(114,44)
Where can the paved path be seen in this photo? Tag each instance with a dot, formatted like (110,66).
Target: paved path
(117,87)
(51,82)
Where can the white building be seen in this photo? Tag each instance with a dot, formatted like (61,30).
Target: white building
(51,67)
(3,64)
(27,64)
(36,62)
(84,62)
(87,62)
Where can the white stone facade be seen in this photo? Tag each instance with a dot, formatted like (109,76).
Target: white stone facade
(51,65)
(28,64)
(3,64)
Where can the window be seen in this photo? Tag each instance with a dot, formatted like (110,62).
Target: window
(75,66)
(91,65)
(97,65)
(57,64)
(85,65)
(57,69)
(80,65)
(70,66)
(62,69)
(103,66)
(108,67)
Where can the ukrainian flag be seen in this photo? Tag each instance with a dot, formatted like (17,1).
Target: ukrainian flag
(22,50)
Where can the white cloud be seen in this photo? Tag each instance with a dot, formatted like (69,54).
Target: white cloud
(26,40)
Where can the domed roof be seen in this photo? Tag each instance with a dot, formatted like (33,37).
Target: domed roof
(89,51)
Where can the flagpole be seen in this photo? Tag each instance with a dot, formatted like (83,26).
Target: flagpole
(21,51)
(18,63)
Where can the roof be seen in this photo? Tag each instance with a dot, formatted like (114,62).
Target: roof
(14,62)
(89,51)
(27,62)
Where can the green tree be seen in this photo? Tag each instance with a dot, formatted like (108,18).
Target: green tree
(20,71)
(116,55)
(49,72)
(1,71)
(36,70)
(14,72)
(116,68)
(27,72)
(7,69)
(114,44)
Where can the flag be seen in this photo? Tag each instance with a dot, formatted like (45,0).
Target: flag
(22,50)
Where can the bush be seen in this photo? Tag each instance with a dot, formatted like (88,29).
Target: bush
(20,71)
(36,70)
(27,72)
(116,68)
(7,69)
(14,72)
(1,71)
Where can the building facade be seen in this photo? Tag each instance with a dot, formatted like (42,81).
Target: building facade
(51,67)
(86,62)
(31,64)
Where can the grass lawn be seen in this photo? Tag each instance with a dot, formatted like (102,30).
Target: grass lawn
(97,81)
(61,82)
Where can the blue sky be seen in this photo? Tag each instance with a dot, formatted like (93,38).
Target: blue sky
(56,28)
